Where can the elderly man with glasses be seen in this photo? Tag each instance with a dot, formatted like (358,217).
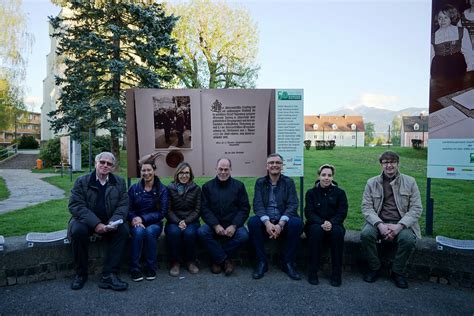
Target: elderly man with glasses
(275,204)
(99,204)
(391,205)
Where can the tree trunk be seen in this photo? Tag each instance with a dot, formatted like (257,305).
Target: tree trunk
(114,135)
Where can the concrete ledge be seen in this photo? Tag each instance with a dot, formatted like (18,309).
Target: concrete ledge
(20,264)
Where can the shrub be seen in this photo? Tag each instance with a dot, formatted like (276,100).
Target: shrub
(50,153)
(27,142)
(307,144)
(417,143)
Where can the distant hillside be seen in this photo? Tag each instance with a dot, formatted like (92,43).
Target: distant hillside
(380,117)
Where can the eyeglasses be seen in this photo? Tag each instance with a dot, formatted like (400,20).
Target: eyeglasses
(389,162)
(108,163)
(274,162)
(185,173)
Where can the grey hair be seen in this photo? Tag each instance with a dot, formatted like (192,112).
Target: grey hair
(105,154)
(275,155)
(222,158)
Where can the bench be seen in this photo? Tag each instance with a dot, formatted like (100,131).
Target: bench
(443,241)
(2,242)
(32,238)
(58,168)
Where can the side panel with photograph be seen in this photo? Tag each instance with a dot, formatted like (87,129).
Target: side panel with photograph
(165,121)
(451,120)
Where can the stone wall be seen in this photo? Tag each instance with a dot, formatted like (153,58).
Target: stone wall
(20,264)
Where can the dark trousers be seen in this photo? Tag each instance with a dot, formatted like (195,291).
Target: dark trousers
(316,236)
(405,241)
(181,242)
(291,235)
(116,240)
(229,247)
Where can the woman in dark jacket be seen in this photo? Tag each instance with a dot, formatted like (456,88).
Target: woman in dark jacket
(325,211)
(148,205)
(183,219)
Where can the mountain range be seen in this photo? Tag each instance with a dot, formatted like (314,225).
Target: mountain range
(381,118)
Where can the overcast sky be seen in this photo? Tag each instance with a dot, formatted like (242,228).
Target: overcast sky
(342,53)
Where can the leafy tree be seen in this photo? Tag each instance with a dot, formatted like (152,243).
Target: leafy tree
(108,49)
(369,133)
(379,140)
(395,130)
(218,45)
(14,44)
(102,3)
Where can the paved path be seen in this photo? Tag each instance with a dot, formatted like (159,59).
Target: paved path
(239,294)
(27,189)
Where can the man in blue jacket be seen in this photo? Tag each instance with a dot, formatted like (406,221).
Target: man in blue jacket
(224,208)
(99,204)
(275,205)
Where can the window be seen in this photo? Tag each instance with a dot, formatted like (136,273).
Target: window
(315,126)
(353,127)
(334,126)
(416,127)
(353,137)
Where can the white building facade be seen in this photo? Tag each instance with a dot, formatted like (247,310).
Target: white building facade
(345,130)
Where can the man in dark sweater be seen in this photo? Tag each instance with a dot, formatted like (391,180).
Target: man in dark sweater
(224,208)
(98,202)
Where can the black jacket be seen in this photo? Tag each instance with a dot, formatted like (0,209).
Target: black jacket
(326,204)
(84,194)
(225,203)
(185,207)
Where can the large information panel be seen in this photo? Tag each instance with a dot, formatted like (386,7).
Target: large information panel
(200,126)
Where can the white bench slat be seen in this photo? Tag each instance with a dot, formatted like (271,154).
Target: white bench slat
(31,238)
(454,243)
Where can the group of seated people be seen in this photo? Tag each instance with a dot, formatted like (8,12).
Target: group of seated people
(391,205)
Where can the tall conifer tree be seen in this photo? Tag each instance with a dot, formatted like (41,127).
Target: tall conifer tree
(106,50)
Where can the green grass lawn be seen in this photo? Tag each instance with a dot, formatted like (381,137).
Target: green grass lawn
(453,215)
(4,193)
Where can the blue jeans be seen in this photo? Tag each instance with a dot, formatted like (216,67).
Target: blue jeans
(144,237)
(230,246)
(180,241)
(291,235)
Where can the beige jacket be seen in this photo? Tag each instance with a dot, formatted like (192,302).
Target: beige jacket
(407,198)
